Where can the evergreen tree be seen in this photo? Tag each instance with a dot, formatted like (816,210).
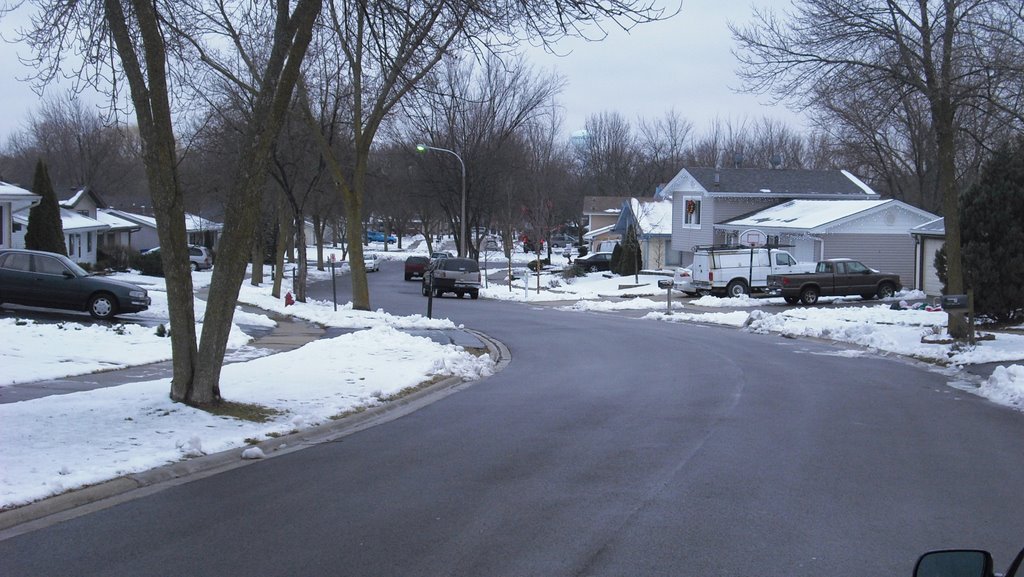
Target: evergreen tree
(993,239)
(631,261)
(613,264)
(45,230)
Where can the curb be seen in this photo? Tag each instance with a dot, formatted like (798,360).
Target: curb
(79,502)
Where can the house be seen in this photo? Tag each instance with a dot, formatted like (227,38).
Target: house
(601,213)
(702,198)
(822,213)
(13,199)
(653,221)
(876,232)
(200,230)
(87,202)
(81,234)
(928,239)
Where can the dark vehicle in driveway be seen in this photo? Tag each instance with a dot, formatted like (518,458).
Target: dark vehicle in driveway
(416,266)
(834,277)
(452,275)
(594,262)
(45,279)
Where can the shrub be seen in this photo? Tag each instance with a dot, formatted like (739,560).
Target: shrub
(149,264)
(532,265)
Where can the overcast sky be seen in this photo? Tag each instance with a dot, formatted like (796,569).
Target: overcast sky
(683,64)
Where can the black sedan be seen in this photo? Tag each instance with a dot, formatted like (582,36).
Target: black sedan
(45,279)
(594,262)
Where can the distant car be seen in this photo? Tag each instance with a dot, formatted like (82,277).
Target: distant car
(45,279)
(594,262)
(377,236)
(452,275)
(416,266)
(682,281)
(562,240)
(442,254)
(371,262)
(199,257)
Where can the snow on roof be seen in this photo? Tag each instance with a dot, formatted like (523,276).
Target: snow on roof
(194,223)
(114,221)
(10,190)
(653,217)
(806,214)
(71,220)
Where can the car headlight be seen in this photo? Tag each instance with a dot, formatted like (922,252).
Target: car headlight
(137,294)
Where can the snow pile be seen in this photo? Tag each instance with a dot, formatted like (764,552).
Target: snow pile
(1005,386)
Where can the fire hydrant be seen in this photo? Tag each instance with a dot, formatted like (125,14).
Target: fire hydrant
(288,299)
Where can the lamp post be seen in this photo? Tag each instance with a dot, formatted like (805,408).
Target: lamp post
(462,216)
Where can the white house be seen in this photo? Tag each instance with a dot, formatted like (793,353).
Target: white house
(13,199)
(200,230)
(81,234)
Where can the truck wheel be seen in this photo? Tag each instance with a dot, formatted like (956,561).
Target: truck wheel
(474,295)
(791,300)
(886,290)
(438,293)
(809,295)
(424,290)
(736,288)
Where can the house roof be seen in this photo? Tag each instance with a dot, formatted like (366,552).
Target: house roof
(603,204)
(18,197)
(115,222)
(783,183)
(70,221)
(653,217)
(815,215)
(193,223)
(935,227)
(82,193)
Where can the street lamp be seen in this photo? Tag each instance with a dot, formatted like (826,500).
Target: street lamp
(462,217)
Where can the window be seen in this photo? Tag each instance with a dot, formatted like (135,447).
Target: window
(49,265)
(854,267)
(783,259)
(18,261)
(88,242)
(71,244)
(691,211)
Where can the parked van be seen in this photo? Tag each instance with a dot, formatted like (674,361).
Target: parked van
(735,270)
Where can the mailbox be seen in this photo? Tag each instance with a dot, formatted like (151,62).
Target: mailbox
(665,284)
(954,302)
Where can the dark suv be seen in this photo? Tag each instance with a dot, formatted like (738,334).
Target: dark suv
(452,275)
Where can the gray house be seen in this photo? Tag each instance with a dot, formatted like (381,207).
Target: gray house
(797,207)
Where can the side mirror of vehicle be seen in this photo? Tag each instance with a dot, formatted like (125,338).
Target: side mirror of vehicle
(954,563)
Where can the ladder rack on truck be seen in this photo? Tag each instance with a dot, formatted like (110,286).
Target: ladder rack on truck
(736,269)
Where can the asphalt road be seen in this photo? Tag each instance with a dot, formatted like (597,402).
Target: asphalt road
(609,446)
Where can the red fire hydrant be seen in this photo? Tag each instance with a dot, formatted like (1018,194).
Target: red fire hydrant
(288,299)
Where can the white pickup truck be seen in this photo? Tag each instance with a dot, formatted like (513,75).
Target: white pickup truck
(736,270)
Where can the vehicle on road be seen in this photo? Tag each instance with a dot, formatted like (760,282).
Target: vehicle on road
(371,262)
(416,266)
(452,275)
(377,236)
(594,262)
(199,257)
(735,270)
(834,277)
(440,254)
(50,280)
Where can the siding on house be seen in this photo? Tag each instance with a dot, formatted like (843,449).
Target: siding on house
(885,252)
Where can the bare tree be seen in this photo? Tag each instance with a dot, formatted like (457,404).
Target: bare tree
(955,55)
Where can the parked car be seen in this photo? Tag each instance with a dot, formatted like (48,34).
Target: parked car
(415,266)
(377,236)
(682,281)
(443,254)
(45,279)
(371,262)
(199,257)
(453,275)
(594,262)
(562,240)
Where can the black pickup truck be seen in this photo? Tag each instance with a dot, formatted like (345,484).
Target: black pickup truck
(834,277)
